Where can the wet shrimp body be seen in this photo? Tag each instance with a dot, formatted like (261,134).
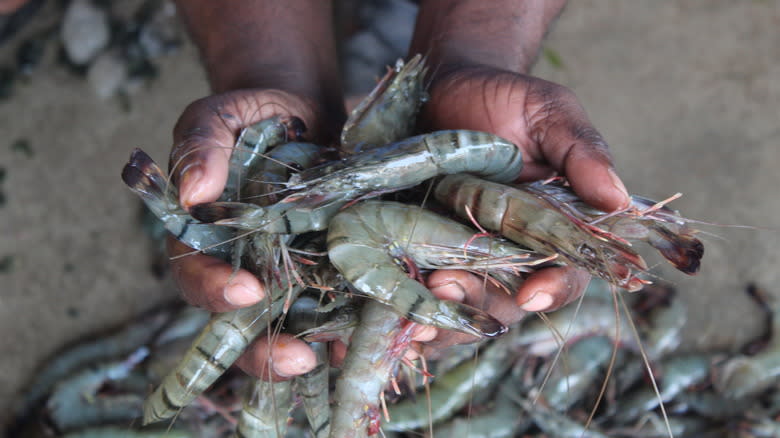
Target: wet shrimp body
(367,241)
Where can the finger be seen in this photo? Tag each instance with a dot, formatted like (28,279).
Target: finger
(549,289)
(209,283)
(205,134)
(203,141)
(338,351)
(572,146)
(282,358)
(475,291)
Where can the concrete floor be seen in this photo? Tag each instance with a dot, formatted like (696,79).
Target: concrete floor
(686,93)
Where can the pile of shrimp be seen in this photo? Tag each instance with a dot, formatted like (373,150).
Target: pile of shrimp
(520,384)
(340,265)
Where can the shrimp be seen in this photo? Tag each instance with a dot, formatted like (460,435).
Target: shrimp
(250,147)
(121,343)
(75,403)
(378,233)
(220,343)
(322,190)
(452,391)
(261,414)
(584,361)
(678,374)
(389,112)
(148,181)
(545,218)
(377,346)
(743,376)
(313,390)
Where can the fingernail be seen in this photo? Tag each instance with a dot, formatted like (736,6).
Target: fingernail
(190,186)
(240,295)
(539,302)
(289,360)
(617,183)
(450,290)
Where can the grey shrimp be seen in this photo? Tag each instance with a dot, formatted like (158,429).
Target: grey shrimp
(266,410)
(365,240)
(452,391)
(546,218)
(376,347)
(389,112)
(744,376)
(147,180)
(248,153)
(322,190)
(220,343)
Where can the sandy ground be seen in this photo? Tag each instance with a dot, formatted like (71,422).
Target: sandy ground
(686,93)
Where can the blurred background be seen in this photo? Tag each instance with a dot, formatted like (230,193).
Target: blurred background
(686,93)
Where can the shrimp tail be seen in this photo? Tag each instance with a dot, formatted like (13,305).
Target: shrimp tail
(147,180)
(683,250)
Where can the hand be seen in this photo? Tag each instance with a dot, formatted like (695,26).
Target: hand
(550,126)
(203,141)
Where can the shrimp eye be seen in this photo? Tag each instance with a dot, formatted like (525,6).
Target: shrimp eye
(586,251)
(294,167)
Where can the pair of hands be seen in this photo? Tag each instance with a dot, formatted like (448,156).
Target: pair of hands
(544,119)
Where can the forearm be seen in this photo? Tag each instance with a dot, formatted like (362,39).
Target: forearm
(505,34)
(267,44)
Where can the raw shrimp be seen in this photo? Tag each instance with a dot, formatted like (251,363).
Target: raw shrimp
(744,376)
(75,402)
(452,391)
(365,240)
(250,148)
(321,191)
(389,112)
(220,343)
(266,410)
(545,218)
(148,181)
(375,349)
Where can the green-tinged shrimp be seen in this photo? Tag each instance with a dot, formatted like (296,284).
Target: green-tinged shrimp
(220,343)
(148,181)
(264,186)
(250,147)
(118,344)
(500,421)
(592,318)
(375,349)
(450,392)
(556,424)
(367,240)
(322,190)
(678,374)
(744,376)
(546,218)
(266,410)
(124,432)
(389,112)
(576,372)
(75,401)
(313,388)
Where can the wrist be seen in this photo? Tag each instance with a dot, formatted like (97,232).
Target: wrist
(501,34)
(266,45)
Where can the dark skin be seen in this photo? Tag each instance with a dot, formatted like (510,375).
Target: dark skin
(265,59)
